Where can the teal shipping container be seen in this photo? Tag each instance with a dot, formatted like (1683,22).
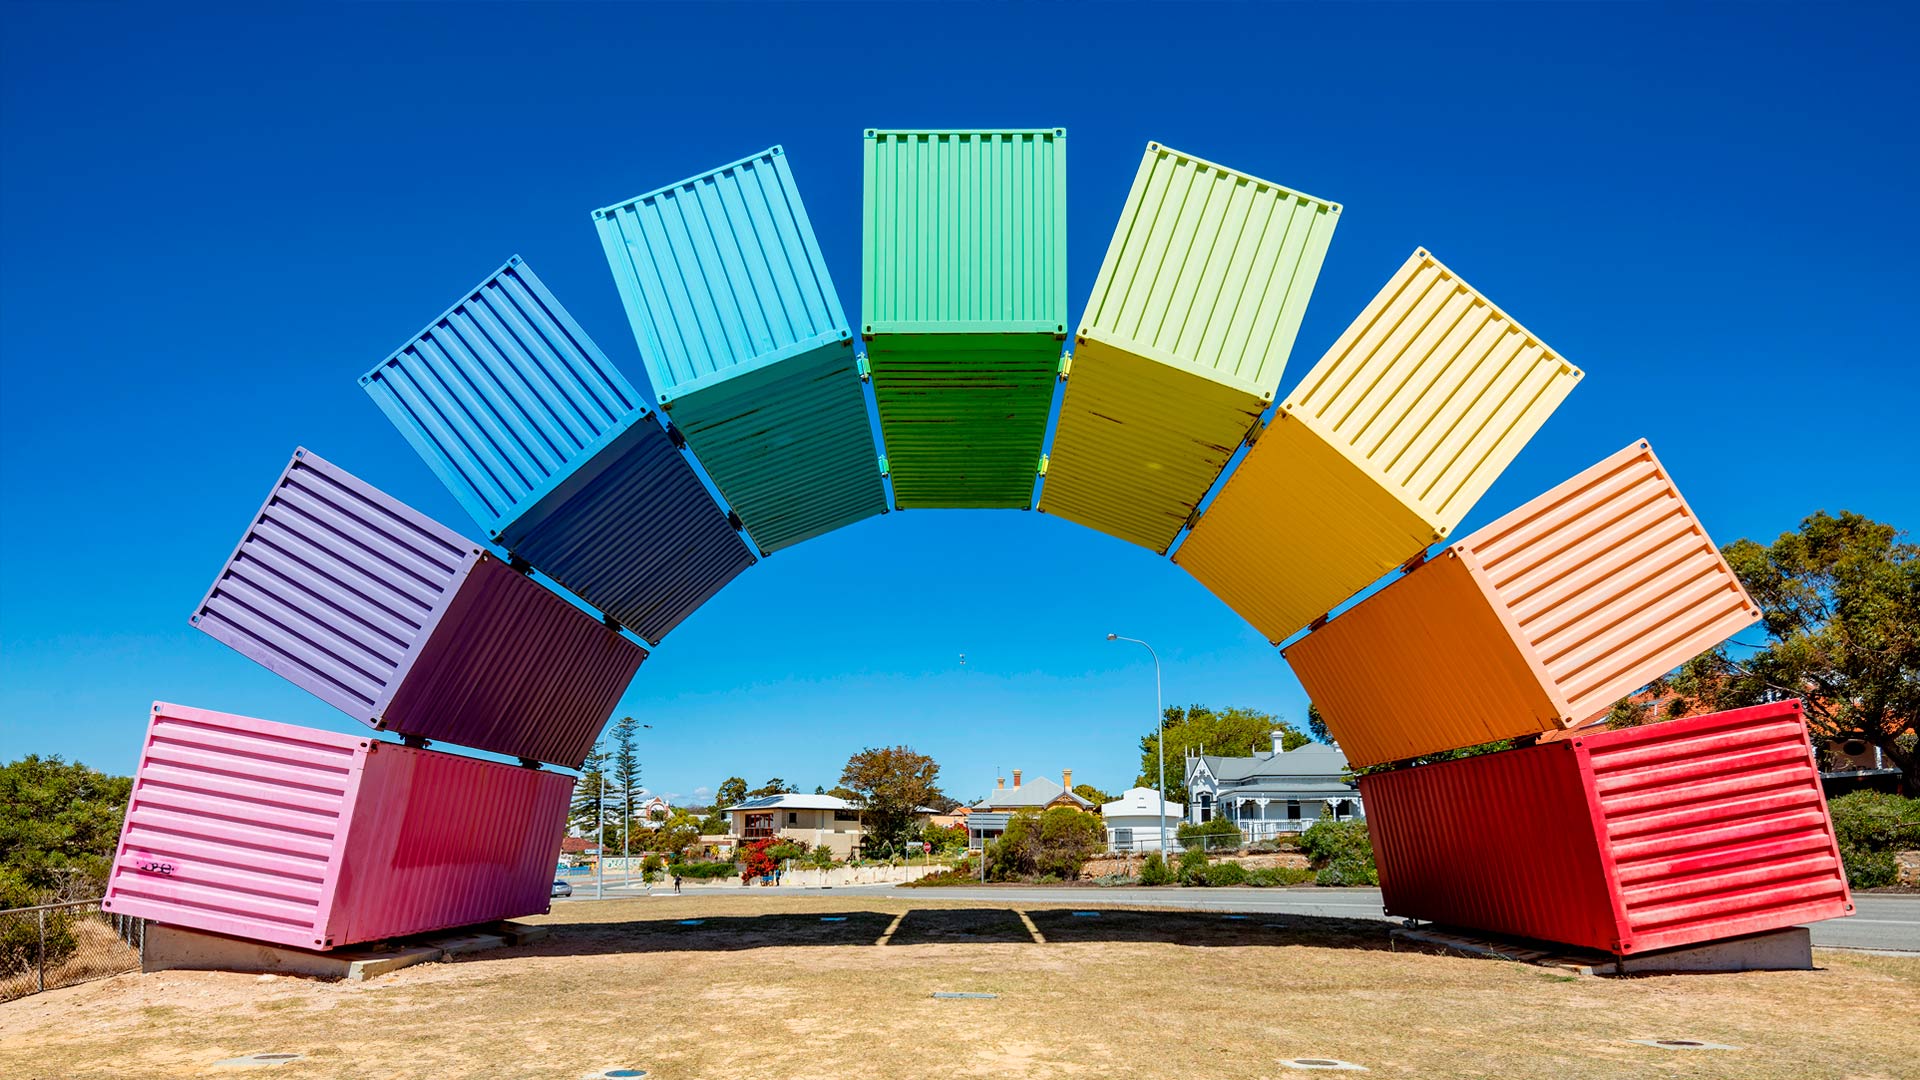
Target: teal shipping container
(747,346)
(963,291)
(550,449)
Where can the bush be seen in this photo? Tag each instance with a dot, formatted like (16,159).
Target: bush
(1055,843)
(1223,874)
(1196,836)
(944,877)
(787,849)
(1341,853)
(1192,864)
(20,942)
(701,871)
(1109,880)
(1155,871)
(1270,876)
(1871,826)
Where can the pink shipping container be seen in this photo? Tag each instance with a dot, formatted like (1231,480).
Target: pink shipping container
(1623,841)
(306,838)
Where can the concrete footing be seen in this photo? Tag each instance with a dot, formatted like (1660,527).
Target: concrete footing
(178,948)
(1777,950)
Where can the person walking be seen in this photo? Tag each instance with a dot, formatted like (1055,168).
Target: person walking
(676,884)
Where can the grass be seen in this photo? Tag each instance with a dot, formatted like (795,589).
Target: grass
(764,989)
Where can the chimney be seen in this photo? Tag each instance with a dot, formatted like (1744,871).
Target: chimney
(999,783)
(1016,778)
(1066,779)
(1277,736)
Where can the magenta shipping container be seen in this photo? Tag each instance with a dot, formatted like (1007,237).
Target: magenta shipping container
(1627,841)
(409,627)
(302,837)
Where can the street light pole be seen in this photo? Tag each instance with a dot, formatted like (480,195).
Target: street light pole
(1160,722)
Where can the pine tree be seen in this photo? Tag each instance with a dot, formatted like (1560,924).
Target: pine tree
(585,817)
(626,775)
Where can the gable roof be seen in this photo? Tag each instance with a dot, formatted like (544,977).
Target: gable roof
(791,801)
(1314,761)
(1037,792)
(1138,801)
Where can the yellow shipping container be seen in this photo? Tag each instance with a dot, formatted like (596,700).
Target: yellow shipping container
(1182,343)
(1378,453)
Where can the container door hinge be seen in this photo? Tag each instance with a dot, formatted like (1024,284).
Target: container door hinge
(733,520)
(610,623)
(865,369)
(1413,564)
(885,469)
(1316,624)
(1193,518)
(1066,364)
(1258,429)
(519,564)
(418,742)
(678,437)
(1043,465)
(529,763)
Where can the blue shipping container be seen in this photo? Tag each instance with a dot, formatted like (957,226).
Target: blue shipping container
(551,450)
(745,341)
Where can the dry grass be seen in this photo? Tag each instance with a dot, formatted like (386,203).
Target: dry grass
(765,989)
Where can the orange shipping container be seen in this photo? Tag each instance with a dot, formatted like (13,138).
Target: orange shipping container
(1538,622)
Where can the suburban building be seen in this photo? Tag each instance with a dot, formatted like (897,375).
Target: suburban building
(1133,820)
(1275,792)
(819,820)
(987,819)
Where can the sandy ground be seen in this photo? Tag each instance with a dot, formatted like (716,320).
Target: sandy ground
(763,987)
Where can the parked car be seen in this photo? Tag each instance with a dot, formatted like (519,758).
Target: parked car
(561,888)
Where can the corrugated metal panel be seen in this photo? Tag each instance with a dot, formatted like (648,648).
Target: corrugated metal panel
(406,626)
(523,418)
(301,837)
(1295,530)
(1627,841)
(504,396)
(965,232)
(335,586)
(964,416)
(1432,391)
(1609,581)
(516,670)
(1209,272)
(1381,450)
(746,344)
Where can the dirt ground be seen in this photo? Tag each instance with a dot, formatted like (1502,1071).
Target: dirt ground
(764,987)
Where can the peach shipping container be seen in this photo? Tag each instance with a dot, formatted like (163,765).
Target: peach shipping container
(301,837)
(1538,622)
(1379,452)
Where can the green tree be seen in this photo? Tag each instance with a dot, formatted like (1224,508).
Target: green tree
(733,791)
(775,786)
(674,836)
(888,784)
(1840,597)
(625,779)
(584,818)
(1317,726)
(59,824)
(1056,841)
(1234,732)
(1093,795)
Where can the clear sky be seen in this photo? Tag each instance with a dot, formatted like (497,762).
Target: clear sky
(212,222)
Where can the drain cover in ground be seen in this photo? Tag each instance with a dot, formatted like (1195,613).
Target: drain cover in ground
(833,918)
(1233,916)
(959,994)
(1682,1044)
(256,1061)
(1087,914)
(1329,1064)
(614,1072)
(692,922)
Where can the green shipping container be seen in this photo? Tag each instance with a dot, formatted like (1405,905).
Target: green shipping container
(963,291)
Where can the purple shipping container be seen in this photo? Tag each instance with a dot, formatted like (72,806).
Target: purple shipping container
(407,626)
(307,838)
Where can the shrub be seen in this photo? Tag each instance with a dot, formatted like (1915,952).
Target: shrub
(701,871)
(1341,853)
(1197,836)
(1192,864)
(1269,876)
(821,857)
(1223,874)
(1871,826)
(1054,843)
(1108,880)
(20,942)
(1155,871)
(944,877)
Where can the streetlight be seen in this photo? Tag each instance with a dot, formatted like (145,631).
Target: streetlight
(1160,720)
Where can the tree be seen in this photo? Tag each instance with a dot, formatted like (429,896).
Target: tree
(1092,794)
(1235,731)
(818,790)
(679,832)
(888,784)
(733,791)
(59,825)
(1840,597)
(1317,726)
(775,786)
(1056,841)
(626,776)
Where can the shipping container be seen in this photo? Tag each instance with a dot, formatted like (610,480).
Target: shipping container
(552,451)
(963,292)
(1627,841)
(1183,343)
(407,626)
(748,349)
(1540,621)
(1378,453)
(295,836)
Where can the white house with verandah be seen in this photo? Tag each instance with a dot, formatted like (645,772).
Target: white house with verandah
(1281,791)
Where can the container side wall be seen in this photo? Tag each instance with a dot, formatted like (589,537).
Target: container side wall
(635,534)
(965,231)
(721,272)
(443,841)
(335,586)
(515,670)
(1609,581)
(1503,843)
(1716,826)
(964,416)
(236,826)
(1422,666)
(503,396)
(1432,391)
(1210,270)
(1297,529)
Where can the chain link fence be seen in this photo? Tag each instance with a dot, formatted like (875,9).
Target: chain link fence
(55,945)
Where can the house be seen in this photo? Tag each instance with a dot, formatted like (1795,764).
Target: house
(1133,820)
(819,820)
(1281,791)
(987,819)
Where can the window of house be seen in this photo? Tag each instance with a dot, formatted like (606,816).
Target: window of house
(793,818)
(846,815)
(1206,807)
(1293,809)
(759,826)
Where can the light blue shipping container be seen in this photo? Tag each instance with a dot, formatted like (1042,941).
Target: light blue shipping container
(551,450)
(747,346)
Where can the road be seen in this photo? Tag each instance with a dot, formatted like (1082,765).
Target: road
(1880,921)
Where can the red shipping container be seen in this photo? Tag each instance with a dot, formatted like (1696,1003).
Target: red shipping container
(301,837)
(1623,841)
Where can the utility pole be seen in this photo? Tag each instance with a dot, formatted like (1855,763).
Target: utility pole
(1160,720)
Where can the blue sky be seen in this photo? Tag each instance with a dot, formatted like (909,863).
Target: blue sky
(211,223)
